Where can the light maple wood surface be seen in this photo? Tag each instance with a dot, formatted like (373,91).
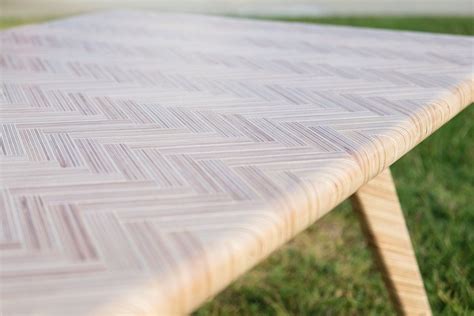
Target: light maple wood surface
(148,160)
(384,225)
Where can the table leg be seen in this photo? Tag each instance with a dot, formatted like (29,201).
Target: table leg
(384,226)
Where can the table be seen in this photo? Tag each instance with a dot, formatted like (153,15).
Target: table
(148,160)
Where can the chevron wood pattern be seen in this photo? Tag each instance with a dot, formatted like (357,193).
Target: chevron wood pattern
(147,160)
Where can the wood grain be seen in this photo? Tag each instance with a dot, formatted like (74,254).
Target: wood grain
(384,225)
(148,160)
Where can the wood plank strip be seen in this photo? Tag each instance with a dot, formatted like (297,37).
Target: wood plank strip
(384,226)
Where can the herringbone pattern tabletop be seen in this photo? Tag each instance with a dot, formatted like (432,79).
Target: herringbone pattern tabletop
(149,159)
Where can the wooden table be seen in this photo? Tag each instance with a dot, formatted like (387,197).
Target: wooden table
(148,160)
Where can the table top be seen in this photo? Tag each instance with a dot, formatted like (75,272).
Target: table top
(147,160)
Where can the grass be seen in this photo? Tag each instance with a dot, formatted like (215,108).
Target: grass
(328,269)
(6,22)
(461,25)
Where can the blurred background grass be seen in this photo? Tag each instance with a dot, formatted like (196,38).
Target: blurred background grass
(328,269)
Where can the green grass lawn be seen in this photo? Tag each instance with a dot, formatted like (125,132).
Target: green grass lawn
(451,25)
(328,269)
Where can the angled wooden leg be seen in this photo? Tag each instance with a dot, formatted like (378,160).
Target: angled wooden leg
(385,229)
